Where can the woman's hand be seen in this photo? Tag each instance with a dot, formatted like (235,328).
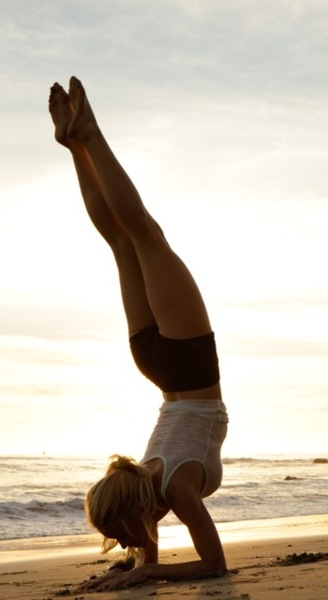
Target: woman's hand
(94,582)
(115,580)
(126,580)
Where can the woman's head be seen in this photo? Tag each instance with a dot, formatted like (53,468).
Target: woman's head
(122,503)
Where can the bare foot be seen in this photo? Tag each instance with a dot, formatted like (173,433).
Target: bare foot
(84,122)
(61,113)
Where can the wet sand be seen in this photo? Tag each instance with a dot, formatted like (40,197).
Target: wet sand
(269,560)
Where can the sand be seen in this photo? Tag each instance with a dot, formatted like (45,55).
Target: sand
(259,567)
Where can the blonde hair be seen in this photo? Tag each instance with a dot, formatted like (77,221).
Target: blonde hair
(126,490)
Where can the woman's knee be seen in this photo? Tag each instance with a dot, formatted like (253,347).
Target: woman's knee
(146,230)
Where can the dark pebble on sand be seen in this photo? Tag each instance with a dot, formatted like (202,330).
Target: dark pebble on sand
(303,558)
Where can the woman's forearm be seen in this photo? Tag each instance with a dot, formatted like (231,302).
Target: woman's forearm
(187,570)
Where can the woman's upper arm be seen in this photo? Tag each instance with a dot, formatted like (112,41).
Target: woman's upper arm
(151,550)
(186,503)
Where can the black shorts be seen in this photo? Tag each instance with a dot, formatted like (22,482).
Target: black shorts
(176,365)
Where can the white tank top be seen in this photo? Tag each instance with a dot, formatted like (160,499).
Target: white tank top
(189,430)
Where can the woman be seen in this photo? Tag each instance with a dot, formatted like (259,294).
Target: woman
(172,342)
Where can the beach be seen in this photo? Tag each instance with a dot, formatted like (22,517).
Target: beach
(273,559)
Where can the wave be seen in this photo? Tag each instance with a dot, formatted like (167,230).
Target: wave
(91,463)
(273,460)
(26,510)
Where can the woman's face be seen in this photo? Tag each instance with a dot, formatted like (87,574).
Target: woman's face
(129,531)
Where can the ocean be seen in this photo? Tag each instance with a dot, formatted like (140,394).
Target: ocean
(43,496)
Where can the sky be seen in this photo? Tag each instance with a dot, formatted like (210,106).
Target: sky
(217,109)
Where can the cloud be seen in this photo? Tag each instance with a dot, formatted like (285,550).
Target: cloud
(268,347)
(249,46)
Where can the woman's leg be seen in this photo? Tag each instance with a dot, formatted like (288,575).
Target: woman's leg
(172,293)
(139,315)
